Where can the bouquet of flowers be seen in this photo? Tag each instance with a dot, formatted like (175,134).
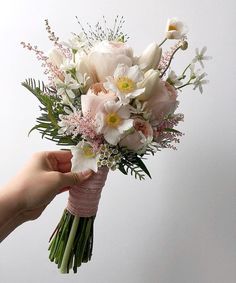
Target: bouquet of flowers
(111,108)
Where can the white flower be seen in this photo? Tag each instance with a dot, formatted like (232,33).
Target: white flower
(84,157)
(175,29)
(150,57)
(68,65)
(113,121)
(67,86)
(56,57)
(63,125)
(193,72)
(151,83)
(106,55)
(200,81)
(200,56)
(124,82)
(173,79)
(77,42)
(146,141)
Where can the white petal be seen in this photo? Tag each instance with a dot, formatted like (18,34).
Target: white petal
(135,74)
(80,162)
(100,123)
(112,106)
(125,126)
(112,136)
(124,112)
(124,99)
(70,93)
(121,71)
(204,49)
(136,93)
(61,131)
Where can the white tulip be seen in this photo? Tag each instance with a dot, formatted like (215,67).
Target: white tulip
(150,57)
(150,83)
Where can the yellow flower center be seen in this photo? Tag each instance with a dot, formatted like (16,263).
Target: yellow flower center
(172,27)
(113,120)
(125,84)
(88,151)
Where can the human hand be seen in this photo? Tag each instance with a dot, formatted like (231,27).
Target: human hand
(44,176)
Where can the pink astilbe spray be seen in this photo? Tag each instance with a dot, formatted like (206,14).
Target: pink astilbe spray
(55,39)
(168,56)
(51,70)
(165,134)
(76,125)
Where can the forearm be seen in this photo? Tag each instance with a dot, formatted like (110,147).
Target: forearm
(10,226)
(10,210)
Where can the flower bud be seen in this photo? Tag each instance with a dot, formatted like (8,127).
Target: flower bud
(184,45)
(56,57)
(150,57)
(150,83)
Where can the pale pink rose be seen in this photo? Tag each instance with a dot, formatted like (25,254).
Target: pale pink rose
(92,103)
(136,140)
(163,102)
(106,55)
(98,87)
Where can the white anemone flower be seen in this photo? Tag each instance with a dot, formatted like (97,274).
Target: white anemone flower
(124,82)
(175,29)
(114,121)
(200,56)
(84,157)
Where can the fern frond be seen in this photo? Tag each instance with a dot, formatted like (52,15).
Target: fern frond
(38,86)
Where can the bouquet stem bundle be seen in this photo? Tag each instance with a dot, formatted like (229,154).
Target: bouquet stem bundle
(71,244)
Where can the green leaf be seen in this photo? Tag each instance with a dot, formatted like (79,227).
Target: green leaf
(171,130)
(122,169)
(141,164)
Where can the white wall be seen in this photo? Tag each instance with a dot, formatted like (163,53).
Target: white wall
(179,227)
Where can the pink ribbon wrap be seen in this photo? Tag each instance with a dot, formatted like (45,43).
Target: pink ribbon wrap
(84,198)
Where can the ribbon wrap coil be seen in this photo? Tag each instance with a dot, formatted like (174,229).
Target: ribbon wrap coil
(84,198)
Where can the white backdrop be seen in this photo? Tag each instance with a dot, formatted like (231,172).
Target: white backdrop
(179,227)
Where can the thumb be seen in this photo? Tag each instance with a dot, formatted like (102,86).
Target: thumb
(73,178)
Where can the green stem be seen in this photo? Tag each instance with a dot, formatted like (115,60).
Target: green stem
(163,41)
(186,69)
(188,83)
(65,260)
(172,56)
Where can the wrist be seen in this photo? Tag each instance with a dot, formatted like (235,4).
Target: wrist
(11,203)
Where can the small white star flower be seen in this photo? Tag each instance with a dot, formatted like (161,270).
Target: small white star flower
(200,56)
(67,86)
(76,43)
(199,82)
